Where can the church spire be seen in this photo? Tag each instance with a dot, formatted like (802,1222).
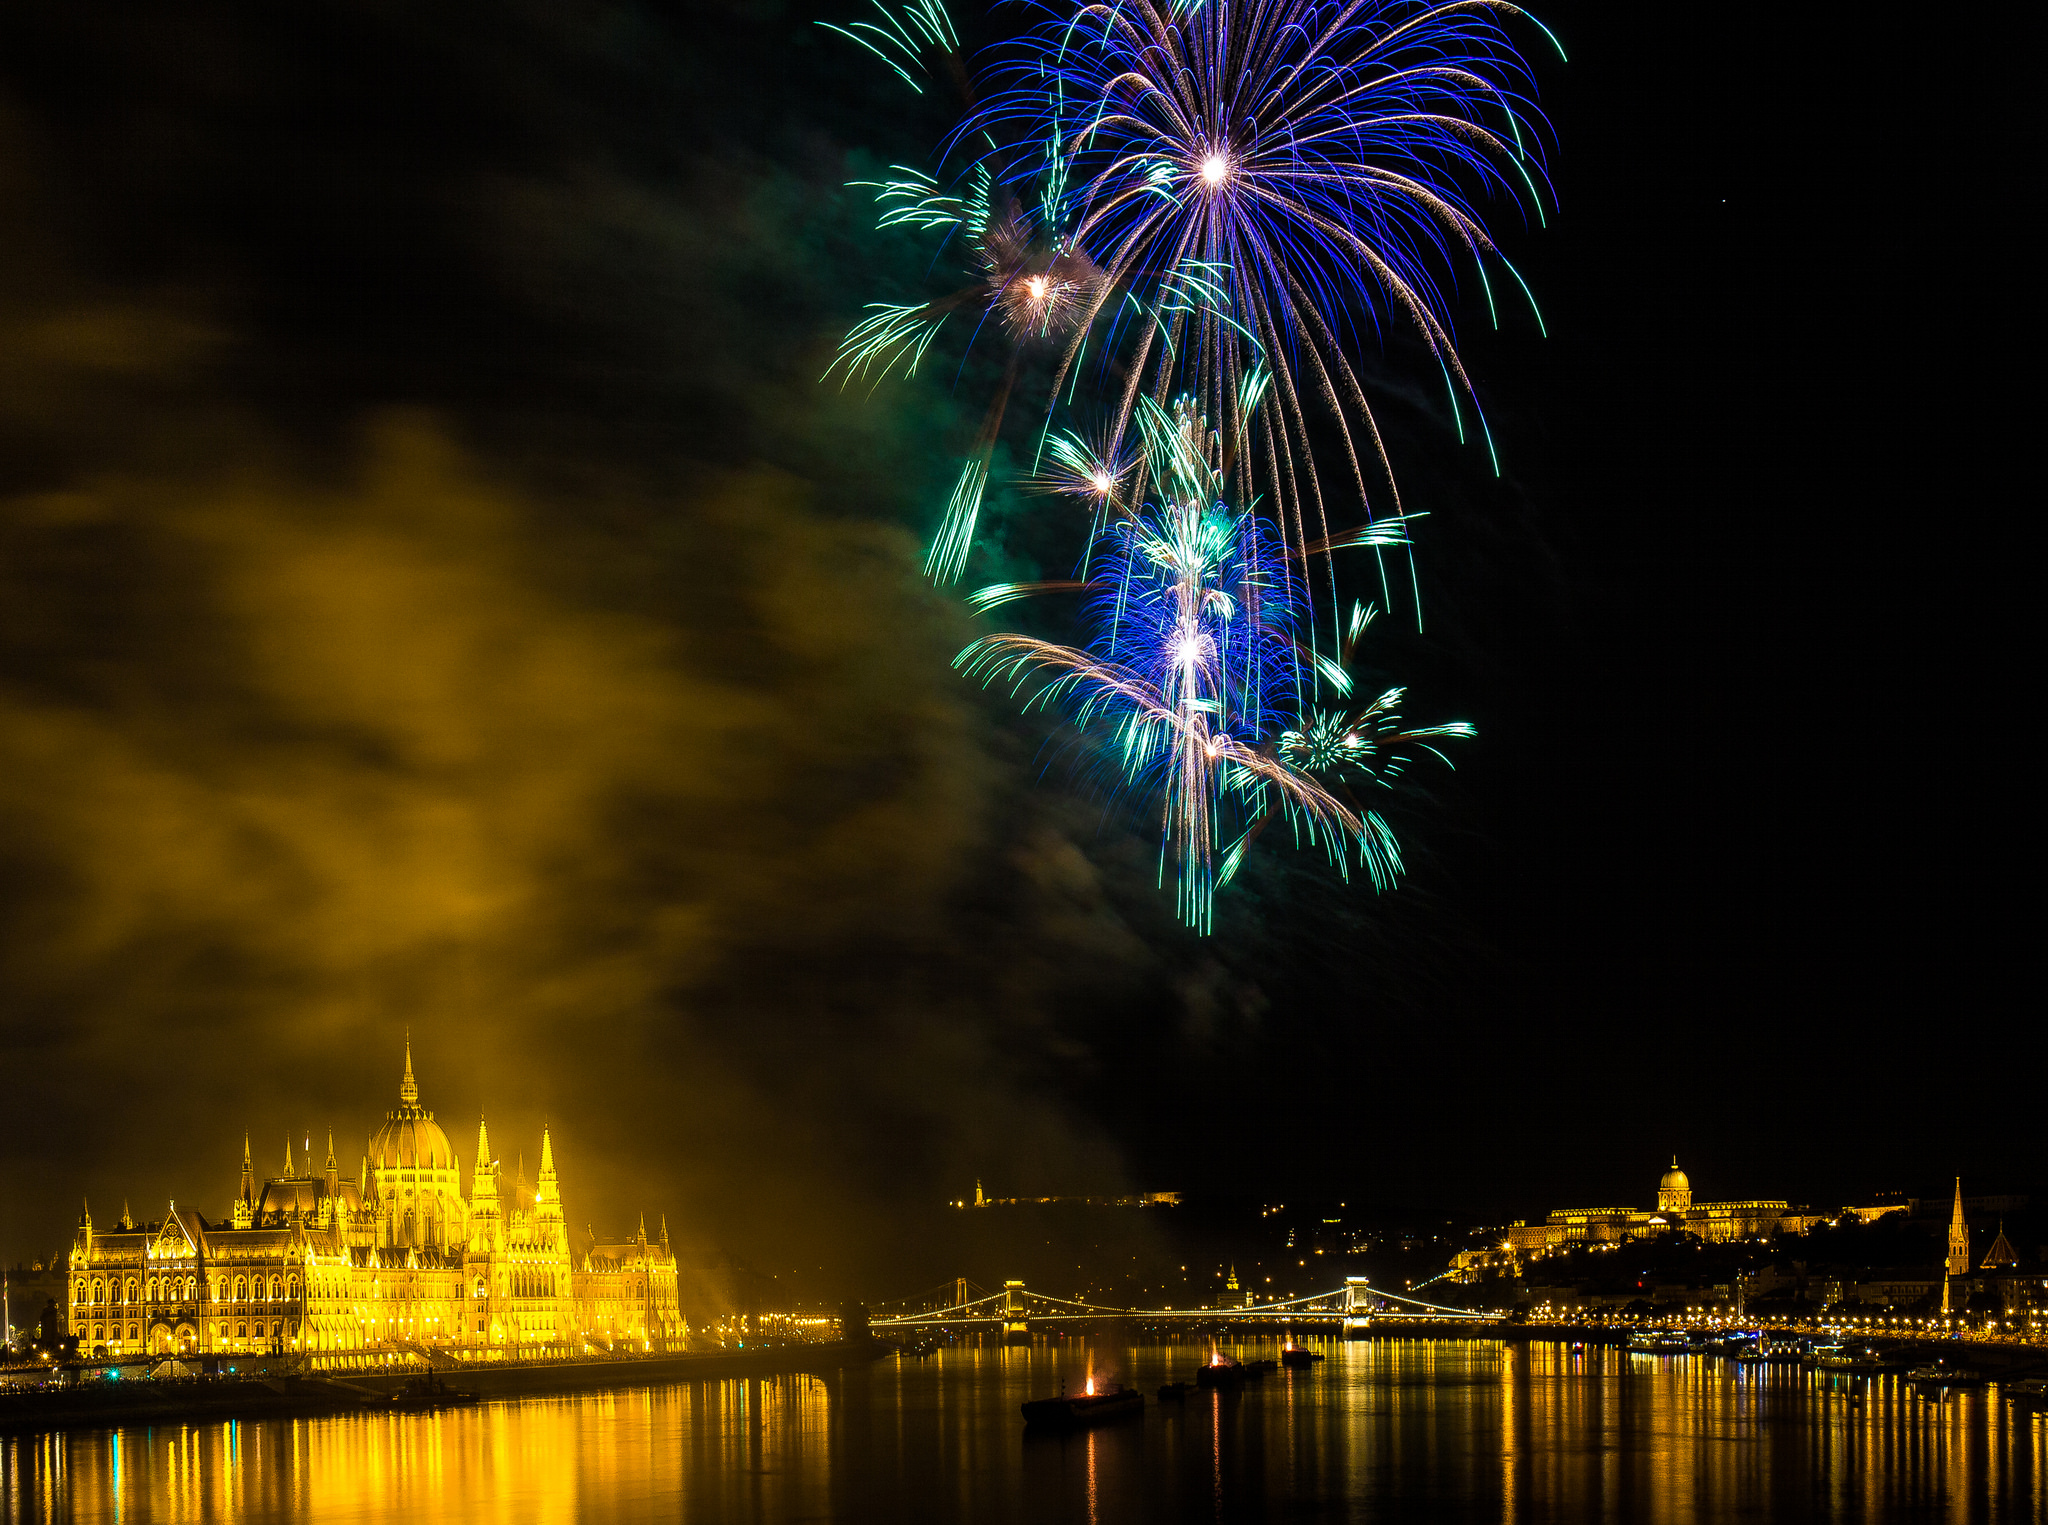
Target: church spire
(1958,1237)
(245,1200)
(547,1191)
(408,1088)
(287,1156)
(485,1236)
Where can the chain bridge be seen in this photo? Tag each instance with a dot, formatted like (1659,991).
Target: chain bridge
(1015,1309)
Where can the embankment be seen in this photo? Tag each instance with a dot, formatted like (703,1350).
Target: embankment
(111,1405)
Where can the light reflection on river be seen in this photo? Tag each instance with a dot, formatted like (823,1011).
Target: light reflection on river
(1440,1431)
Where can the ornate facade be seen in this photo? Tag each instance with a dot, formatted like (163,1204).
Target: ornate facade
(397,1260)
(1675,1211)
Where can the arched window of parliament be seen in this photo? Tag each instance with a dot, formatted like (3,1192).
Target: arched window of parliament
(241,1331)
(241,1289)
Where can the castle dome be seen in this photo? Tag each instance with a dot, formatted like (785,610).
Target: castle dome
(410,1138)
(1674,1179)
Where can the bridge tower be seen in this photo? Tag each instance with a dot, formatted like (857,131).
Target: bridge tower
(1015,1330)
(1357,1308)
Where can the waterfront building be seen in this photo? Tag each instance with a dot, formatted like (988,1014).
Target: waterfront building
(1675,1212)
(396,1260)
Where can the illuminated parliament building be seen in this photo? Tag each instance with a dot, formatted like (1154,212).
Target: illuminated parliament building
(397,1260)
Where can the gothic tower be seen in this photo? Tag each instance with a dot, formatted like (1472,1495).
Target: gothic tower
(245,1202)
(547,1207)
(1958,1250)
(485,1225)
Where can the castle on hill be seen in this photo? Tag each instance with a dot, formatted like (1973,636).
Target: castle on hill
(1675,1212)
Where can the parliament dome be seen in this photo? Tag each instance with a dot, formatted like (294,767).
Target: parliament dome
(410,1138)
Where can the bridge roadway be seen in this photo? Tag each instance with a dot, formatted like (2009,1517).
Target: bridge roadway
(1016,1308)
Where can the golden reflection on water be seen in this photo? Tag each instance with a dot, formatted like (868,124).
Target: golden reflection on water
(1442,1431)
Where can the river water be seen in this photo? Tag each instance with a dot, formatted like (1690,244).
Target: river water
(1443,1431)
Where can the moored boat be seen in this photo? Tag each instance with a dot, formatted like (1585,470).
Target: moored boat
(429,1392)
(1662,1342)
(1069,1411)
(1941,1374)
(1295,1356)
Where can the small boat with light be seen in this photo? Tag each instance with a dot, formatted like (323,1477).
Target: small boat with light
(1295,1357)
(1221,1371)
(1069,1411)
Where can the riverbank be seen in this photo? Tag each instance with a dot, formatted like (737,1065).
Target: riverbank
(110,1405)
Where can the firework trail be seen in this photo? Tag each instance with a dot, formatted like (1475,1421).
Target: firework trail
(1027,283)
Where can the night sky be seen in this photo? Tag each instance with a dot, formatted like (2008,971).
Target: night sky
(435,591)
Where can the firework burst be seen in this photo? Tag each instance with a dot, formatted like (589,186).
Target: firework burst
(1214,202)
(1259,181)
(1194,670)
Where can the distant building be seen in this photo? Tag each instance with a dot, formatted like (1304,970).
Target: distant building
(1675,1212)
(1135,1199)
(1905,1287)
(395,1260)
(1876,1210)
(28,1289)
